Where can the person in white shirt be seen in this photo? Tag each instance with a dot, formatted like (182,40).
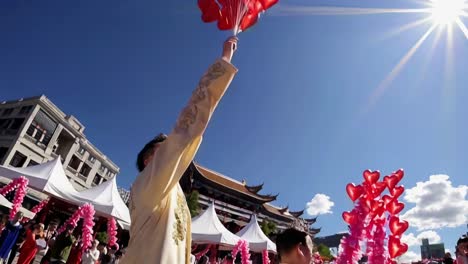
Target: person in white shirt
(161,224)
(91,255)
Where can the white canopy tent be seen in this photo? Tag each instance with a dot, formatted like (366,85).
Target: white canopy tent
(4,202)
(258,241)
(208,229)
(106,199)
(50,178)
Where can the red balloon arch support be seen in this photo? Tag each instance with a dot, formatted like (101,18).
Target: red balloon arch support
(368,220)
(235,15)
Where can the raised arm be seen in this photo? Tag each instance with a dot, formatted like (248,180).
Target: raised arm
(174,155)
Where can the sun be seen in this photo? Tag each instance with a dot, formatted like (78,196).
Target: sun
(447,12)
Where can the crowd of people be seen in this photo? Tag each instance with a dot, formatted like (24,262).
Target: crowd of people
(33,242)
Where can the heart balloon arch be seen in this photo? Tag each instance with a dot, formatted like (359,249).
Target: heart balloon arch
(369,218)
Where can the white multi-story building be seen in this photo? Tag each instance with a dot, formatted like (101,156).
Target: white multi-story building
(34,131)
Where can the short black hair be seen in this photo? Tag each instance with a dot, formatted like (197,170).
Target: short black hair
(289,239)
(147,150)
(462,239)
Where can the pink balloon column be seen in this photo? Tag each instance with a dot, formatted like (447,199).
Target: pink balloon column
(72,221)
(243,247)
(36,209)
(88,224)
(368,219)
(21,188)
(350,245)
(317,259)
(8,188)
(112,232)
(203,252)
(266,259)
(87,213)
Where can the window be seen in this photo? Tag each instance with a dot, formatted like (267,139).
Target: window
(32,163)
(7,112)
(18,159)
(103,168)
(97,179)
(17,122)
(85,170)
(3,152)
(4,123)
(81,151)
(92,159)
(74,162)
(25,109)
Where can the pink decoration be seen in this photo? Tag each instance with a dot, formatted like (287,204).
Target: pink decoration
(351,248)
(376,243)
(21,185)
(87,213)
(243,247)
(266,259)
(203,252)
(88,224)
(36,209)
(112,232)
(317,259)
(368,219)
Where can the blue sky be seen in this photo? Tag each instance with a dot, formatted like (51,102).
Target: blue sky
(292,117)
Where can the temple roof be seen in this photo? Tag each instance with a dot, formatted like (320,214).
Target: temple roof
(255,188)
(230,183)
(296,213)
(311,220)
(315,231)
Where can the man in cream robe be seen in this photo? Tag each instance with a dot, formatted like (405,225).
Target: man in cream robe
(160,230)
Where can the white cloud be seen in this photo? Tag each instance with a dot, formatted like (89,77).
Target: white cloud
(320,204)
(413,240)
(438,204)
(409,257)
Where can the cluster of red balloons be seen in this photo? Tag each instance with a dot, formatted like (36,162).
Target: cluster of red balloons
(370,194)
(237,15)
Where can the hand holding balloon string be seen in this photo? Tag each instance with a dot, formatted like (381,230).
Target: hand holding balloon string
(229,47)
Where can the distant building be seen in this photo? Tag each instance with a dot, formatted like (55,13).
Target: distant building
(125,194)
(235,201)
(432,251)
(34,131)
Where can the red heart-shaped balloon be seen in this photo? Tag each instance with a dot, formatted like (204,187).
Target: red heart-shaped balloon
(394,207)
(391,181)
(395,247)
(354,192)
(249,20)
(349,217)
(387,199)
(396,226)
(369,202)
(397,191)
(210,10)
(399,174)
(377,204)
(378,188)
(268,3)
(371,176)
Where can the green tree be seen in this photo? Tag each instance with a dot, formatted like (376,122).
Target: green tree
(324,251)
(102,237)
(268,227)
(192,203)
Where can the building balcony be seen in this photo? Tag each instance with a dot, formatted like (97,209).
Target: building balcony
(35,141)
(82,177)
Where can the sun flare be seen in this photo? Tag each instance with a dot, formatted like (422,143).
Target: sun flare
(447,12)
